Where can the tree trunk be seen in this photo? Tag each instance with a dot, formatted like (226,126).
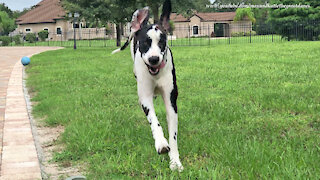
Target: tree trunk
(118,29)
(155,11)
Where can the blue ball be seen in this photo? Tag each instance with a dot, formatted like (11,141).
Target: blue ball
(25,60)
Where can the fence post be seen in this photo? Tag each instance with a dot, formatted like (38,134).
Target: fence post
(296,30)
(209,34)
(189,35)
(61,38)
(104,37)
(89,39)
(250,36)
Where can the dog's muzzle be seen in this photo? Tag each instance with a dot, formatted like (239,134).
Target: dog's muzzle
(154,70)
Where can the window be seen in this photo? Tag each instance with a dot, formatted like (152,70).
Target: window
(76,25)
(46,29)
(59,31)
(195,30)
(28,30)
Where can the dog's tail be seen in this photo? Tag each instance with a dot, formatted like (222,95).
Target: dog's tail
(124,46)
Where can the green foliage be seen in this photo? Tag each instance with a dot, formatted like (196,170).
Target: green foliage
(287,21)
(17,39)
(43,35)
(31,37)
(6,23)
(5,40)
(172,27)
(242,13)
(239,34)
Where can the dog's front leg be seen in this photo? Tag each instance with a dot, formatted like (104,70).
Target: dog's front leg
(146,101)
(170,96)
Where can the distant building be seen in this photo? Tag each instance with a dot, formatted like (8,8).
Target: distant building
(219,24)
(50,15)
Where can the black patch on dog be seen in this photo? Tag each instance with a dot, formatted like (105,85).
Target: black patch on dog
(163,42)
(158,124)
(145,110)
(145,45)
(175,136)
(174,92)
(143,39)
(135,46)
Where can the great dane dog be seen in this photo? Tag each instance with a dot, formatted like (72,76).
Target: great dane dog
(155,74)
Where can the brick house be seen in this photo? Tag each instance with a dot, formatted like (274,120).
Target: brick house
(50,15)
(219,24)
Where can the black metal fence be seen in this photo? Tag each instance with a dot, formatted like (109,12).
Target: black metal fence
(183,35)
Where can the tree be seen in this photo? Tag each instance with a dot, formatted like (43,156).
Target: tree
(242,13)
(104,11)
(288,21)
(6,23)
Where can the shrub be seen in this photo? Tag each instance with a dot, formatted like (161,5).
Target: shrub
(5,40)
(31,37)
(43,35)
(17,39)
(239,34)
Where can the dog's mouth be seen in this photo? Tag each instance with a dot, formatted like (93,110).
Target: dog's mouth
(154,70)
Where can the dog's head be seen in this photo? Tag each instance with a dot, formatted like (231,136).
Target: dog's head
(152,39)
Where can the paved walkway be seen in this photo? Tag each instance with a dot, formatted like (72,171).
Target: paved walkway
(18,159)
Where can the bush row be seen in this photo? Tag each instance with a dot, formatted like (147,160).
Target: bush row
(239,34)
(30,37)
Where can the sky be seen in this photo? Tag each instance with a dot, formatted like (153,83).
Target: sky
(19,4)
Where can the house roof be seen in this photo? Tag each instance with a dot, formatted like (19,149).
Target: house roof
(178,18)
(217,16)
(46,11)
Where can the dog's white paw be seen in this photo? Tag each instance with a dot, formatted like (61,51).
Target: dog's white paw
(162,146)
(176,165)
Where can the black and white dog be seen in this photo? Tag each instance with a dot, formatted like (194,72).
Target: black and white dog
(155,73)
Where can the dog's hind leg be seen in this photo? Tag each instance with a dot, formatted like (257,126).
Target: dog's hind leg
(146,101)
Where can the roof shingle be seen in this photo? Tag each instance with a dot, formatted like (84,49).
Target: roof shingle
(217,16)
(46,11)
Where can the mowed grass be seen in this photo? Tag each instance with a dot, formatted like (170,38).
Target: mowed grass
(245,112)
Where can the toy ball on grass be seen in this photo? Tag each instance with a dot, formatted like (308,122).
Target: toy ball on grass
(25,60)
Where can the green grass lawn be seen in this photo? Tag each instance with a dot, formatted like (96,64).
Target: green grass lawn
(245,111)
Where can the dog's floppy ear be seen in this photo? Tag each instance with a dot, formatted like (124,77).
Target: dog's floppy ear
(165,16)
(139,19)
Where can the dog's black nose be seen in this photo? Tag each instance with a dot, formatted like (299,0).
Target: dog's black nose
(154,60)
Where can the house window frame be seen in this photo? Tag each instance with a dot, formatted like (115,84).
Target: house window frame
(197,30)
(60,30)
(45,28)
(28,31)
